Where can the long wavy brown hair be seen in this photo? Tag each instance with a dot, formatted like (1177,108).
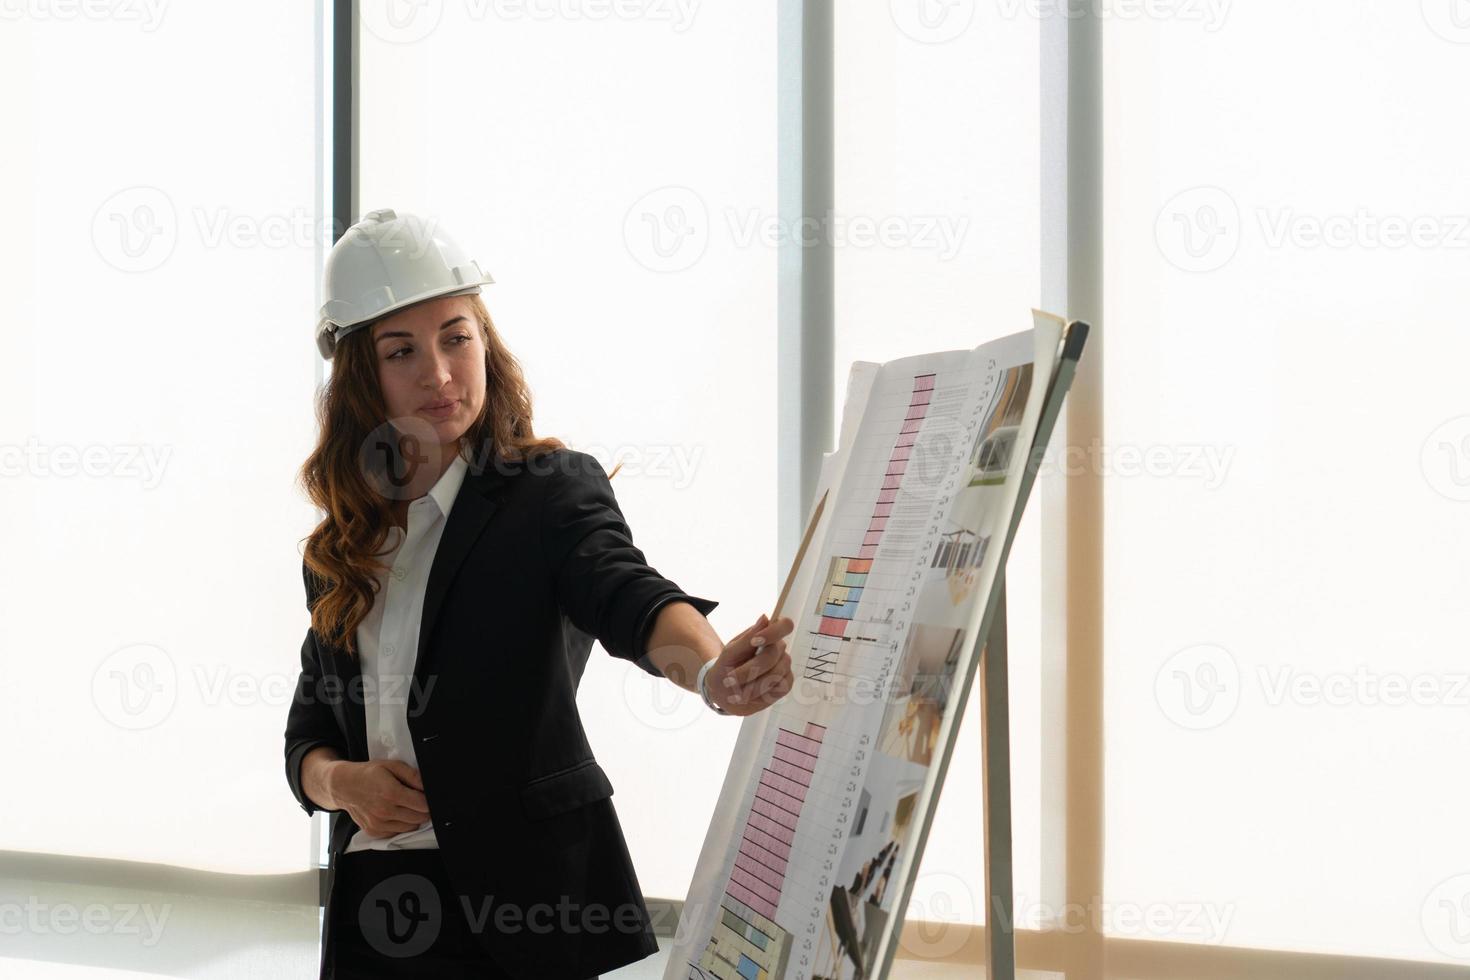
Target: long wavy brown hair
(340,478)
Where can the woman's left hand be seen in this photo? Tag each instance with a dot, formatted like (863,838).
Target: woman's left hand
(753,672)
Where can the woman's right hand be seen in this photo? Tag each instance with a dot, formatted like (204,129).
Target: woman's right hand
(383,797)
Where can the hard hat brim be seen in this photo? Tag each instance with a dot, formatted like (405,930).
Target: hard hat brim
(329,332)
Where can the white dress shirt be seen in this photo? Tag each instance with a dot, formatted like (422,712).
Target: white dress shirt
(388,641)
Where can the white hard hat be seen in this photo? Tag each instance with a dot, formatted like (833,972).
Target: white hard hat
(383,263)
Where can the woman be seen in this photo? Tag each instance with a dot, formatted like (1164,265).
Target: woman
(456,584)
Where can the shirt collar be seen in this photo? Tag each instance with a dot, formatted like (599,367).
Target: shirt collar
(447,488)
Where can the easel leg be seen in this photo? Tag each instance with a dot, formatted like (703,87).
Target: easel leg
(1000,940)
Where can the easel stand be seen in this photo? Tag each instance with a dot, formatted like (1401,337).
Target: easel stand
(990,663)
(1000,892)
(1000,919)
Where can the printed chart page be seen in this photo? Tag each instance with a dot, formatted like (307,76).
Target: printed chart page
(816,828)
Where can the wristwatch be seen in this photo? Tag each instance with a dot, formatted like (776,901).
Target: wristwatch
(704,691)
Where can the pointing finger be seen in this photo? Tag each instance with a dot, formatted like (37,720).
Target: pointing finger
(760,664)
(774,631)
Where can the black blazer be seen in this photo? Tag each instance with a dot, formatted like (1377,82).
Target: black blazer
(535,561)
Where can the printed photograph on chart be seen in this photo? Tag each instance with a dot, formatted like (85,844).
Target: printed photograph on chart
(995,440)
(948,590)
(860,906)
(955,560)
(968,525)
(918,692)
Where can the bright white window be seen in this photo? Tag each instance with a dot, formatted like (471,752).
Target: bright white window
(617,176)
(937,246)
(1290,493)
(160,265)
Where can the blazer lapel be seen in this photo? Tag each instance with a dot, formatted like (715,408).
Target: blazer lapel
(472,510)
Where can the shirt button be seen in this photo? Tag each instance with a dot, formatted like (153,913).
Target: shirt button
(388,649)
(399,573)
(389,742)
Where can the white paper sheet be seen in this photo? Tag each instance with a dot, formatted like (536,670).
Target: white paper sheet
(818,820)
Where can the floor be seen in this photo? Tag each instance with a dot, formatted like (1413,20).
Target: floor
(652,968)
